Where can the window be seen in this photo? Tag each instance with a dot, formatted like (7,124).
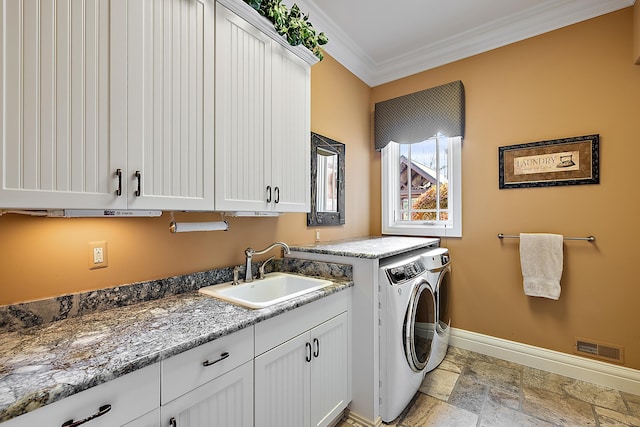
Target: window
(421,188)
(421,166)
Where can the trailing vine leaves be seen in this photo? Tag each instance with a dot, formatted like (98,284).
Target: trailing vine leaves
(253,3)
(291,24)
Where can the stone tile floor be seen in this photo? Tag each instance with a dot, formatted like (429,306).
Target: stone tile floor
(473,390)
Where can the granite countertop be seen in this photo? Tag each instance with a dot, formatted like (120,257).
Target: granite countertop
(43,364)
(368,247)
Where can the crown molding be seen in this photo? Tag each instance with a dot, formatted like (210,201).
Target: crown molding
(341,47)
(545,16)
(249,14)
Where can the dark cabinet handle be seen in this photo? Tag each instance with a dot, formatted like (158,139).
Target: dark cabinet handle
(173,422)
(119,175)
(269,192)
(220,359)
(277,190)
(316,345)
(308,358)
(101,411)
(139,177)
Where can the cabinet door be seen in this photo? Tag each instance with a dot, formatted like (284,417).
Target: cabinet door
(282,385)
(225,401)
(291,134)
(329,370)
(57,148)
(170,99)
(243,115)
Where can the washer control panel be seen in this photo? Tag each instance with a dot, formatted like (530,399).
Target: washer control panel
(404,272)
(435,259)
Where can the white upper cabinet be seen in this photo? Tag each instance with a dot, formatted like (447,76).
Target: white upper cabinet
(243,116)
(109,104)
(57,144)
(106,104)
(262,120)
(170,100)
(291,135)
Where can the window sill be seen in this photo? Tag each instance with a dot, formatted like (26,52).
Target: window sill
(422,231)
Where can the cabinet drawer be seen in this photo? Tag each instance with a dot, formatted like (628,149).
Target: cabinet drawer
(130,397)
(226,401)
(275,331)
(186,371)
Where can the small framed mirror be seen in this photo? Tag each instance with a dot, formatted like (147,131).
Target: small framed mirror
(327,181)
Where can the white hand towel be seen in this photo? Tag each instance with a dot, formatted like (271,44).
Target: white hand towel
(541,263)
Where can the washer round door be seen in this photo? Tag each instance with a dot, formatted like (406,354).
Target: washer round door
(419,325)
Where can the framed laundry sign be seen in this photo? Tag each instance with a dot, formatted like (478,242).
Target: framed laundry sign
(568,161)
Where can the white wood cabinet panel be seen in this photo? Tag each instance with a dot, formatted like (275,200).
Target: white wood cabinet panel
(55,75)
(291,146)
(170,99)
(285,326)
(282,392)
(304,381)
(225,401)
(243,114)
(130,397)
(262,121)
(329,370)
(93,87)
(185,371)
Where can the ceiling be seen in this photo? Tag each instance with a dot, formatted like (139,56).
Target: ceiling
(382,40)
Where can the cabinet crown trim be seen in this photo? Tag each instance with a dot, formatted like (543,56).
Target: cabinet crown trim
(250,15)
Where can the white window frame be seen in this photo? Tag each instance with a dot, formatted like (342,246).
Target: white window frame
(391,224)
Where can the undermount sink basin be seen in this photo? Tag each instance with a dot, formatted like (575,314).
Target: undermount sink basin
(273,289)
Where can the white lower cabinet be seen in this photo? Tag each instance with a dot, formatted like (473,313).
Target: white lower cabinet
(329,370)
(210,385)
(224,401)
(193,368)
(303,381)
(111,404)
(282,381)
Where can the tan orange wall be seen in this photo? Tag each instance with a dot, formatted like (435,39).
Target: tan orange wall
(574,81)
(344,101)
(43,257)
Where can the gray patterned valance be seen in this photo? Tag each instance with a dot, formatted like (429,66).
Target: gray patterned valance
(418,116)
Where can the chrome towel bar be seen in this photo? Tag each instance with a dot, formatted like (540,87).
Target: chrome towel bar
(589,238)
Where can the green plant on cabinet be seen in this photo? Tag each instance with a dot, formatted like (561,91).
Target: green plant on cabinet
(292,24)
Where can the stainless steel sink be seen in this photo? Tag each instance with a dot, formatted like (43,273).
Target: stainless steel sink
(273,289)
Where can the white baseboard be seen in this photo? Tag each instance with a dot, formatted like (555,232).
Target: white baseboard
(580,368)
(363,421)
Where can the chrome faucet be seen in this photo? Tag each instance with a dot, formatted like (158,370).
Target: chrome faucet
(249,253)
(263,266)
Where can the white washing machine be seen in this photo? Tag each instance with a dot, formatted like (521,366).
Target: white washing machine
(414,324)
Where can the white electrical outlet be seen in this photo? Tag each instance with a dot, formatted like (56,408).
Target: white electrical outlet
(97,255)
